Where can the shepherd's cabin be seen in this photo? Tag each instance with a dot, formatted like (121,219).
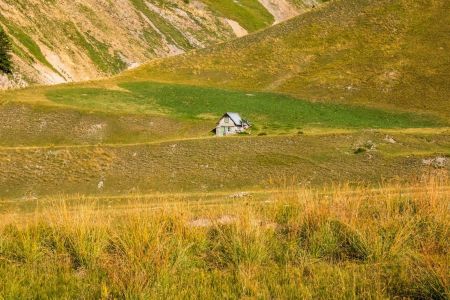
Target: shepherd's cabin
(231,123)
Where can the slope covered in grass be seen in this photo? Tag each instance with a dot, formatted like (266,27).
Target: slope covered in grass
(215,164)
(373,52)
(132,131)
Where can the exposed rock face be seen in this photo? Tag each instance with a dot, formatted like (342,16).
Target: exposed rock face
(13,81)
(238,30)
(283,10)
(280,9)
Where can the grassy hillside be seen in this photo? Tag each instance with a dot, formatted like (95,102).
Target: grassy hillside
(63,41)
(263,109)
(333,243)
(137,112)
(306,59)
(120,130)
(390,54)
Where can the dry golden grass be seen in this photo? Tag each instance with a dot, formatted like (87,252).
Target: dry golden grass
(339,242)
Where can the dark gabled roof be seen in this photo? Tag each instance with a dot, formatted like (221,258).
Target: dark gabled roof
(235,117)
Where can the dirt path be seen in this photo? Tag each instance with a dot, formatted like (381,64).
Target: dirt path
(311,132)
(118,145)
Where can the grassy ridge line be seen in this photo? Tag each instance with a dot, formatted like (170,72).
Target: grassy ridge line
(376,245)
(389,54)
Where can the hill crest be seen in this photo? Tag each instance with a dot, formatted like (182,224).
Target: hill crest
(387,54)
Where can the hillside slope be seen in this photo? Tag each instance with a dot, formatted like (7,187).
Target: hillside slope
(383,53)
(63,41)
(129,134)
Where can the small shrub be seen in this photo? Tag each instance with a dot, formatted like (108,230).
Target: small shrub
(5,53)
(359,150)
(404,205)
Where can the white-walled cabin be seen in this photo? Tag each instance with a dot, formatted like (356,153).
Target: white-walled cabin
(231,123)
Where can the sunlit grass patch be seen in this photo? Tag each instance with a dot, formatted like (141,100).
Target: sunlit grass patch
(250,14)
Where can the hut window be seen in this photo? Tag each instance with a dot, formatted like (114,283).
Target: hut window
(227,119)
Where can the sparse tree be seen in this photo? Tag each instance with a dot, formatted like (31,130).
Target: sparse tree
(5,53)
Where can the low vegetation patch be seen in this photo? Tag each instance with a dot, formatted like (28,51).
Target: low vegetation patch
(34,125)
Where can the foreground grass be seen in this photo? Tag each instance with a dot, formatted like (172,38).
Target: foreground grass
(338,242)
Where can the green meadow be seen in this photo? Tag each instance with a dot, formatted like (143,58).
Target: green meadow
(265,110)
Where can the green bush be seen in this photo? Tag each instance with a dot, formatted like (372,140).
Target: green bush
(5,53)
